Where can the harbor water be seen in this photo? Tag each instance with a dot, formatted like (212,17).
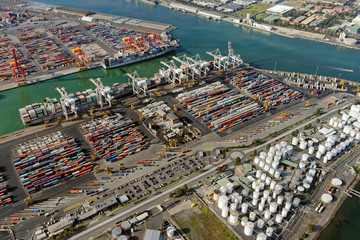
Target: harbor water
(197,35)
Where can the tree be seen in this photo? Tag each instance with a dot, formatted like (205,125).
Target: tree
(356,102)
(185,188)
(268,146)
(295,133)
(317,121)
(237,161)
(310,228)
(318,112)
(178,192)
(255,142)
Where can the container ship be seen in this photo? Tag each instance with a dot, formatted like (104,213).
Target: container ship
(51,109)
(151,2)
(140,48)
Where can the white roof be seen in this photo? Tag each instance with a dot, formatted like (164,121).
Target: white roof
(152,234)
(281,9)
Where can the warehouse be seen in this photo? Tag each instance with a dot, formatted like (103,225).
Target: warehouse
(60,226)
(184,7)
(279,10)
(152,234)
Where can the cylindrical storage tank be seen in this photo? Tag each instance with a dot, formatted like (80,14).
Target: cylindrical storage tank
(170,232)
(298,172)
(225,212)
(261,164)
(244,220)
(245,192)
(310,143)
(263,200)
(295,141)
(309,179)
(249,228)
(270,154)
(300,189)
(267,214)
(252,216)
(342,135)
(223,190)
(289,150)
(223,201)
(234,217)
(229,187)
(306,187)
(357,137)
(328,146)
(334,152)
(278,218)
(268,160)
(336,182)
(258,188)
(311,150)
(347,129)
(116,232)
(331,122)
(322,148)
(277,173)
(272,171)
(262,155)
(352,133)
(263,177)
(302,165)
(266,193)
(260,223)
(233,206)
(261,236)
(272,185)
(303,145)
(329,155)
(280,199)
(269,231)
(277,158)
(275,164)
(244,208)
(268,181)
(257,160)
(288,206)
(318,154)
(292,186)
(338,149)
(274,195)
(312,172)
(278,147)
(254,202)
(336,124)
(253,185)
(261,207)
(296,202)
(326,198)
(325,160)
(288,197)
(256,195)
(273,207)
(269,200)
(304,157)
(284,212)
(267,167)
(258,174)
(216,195)
(278,188)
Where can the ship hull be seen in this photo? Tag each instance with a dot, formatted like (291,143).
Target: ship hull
(153,3)
(140,59)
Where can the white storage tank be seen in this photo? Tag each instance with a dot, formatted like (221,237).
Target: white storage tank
(288,197)
(268,160)
(252,216)
(300,189)
(257,160)
(278,218)
(304,157)
(170,232)
(263,200)
(254,202)
(278,189)
(263,177)
(249,228)
(303,145)
(261,206)
(336,182)
(295,141)
(309,179)
(352,133)
(272,185)
(223,190)
(284,212)
(262,164)
(260,223)
(267,167)
(311,150)
(245,192)
(223,201)
(331,122)
(233,206)
(296,202)
(234,217)
(266,193)
(306,187)
(280,199)
(325,160)
(302,165)
(256,195)
(326,198)
(288,206)
(267,214)
(318,154)
(244,208)
(262,155)
(357,136)
(244,220)
(268,181)
(225,212)
(277,173)
(273,207)
(272,171)
(258,173)
(289,150)
(269,231)
(322,148)
(347,129)
(230,188)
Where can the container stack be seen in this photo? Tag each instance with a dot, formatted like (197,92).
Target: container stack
(265,89)
(45,51)
(115,137)
(6,57)
(5,198)
(219,107)
(37,112)
(70,36)
(50,161)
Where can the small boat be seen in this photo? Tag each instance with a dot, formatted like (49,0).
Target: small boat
(151,2)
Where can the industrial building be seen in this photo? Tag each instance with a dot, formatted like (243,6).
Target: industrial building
(184,7)
(60,226)
(356,20)
(88,19)
(279,10)
(152,234)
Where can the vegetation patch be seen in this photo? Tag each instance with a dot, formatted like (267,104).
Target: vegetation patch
(254,10)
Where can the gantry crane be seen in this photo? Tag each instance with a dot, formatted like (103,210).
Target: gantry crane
(141,42)
(139,85)
(155,39)
(80,59)
(67,104)
(130,45)
(103,93)
(203,66)
(234,60)
(15,65)
(173,74)
(220,62)
(189,68)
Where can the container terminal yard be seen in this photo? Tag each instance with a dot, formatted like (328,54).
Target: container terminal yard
(37,44)
(266,158)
